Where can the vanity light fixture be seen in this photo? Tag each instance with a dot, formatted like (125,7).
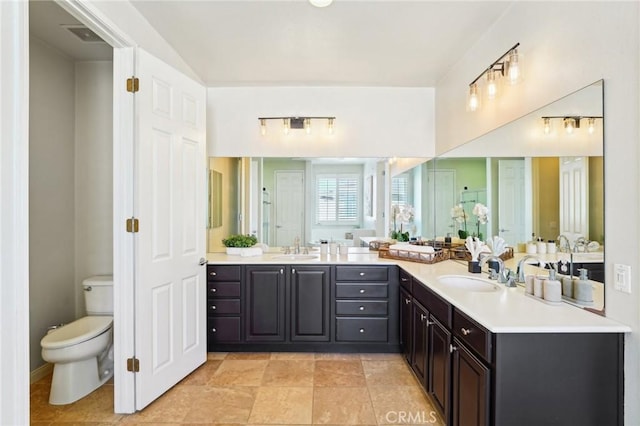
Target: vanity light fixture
(508,65)
(571,122)
(321,3)
(289,123)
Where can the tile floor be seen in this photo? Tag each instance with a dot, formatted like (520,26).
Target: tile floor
(265,389)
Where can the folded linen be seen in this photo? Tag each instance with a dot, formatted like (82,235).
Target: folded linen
(412,247)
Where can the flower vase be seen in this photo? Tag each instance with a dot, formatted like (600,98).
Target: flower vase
(462,234)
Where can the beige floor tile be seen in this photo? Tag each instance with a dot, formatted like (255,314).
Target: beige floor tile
(337,356)
(216,355)
(202,374)
(172,407)
(282,405)
(96,407)
(248,355)
(338,373)
(288,373)
(382,357)
(342,406)
(41,410)
(388,373)
(401,405)
(293,355)
(220,405)
(234,372)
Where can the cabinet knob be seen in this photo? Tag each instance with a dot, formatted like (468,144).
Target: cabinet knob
(407,301)
(403,279)
(281,271)
(430,322)
(361,308)
(423,317)
(362,330)
(465,331)
(213,307)
(212,273)
(362,274)
(213,330)
(452,348)
(293,270)
(213,290)
(361,290)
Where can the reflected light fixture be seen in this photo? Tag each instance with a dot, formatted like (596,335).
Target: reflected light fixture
(289,123)
(508,66)
(571,122)
(321,3)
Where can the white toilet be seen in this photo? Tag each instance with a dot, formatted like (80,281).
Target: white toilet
(82,351)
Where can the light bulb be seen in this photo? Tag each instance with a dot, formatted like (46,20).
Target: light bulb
(320,3)
(591,125)
(330,125)
(286,126)
(569,125)
(263,126)
(547,125)
(307,125)
(492,84)
(514,71)
(473,101)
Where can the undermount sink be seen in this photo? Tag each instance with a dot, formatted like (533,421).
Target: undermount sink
(467,283)
(293,257)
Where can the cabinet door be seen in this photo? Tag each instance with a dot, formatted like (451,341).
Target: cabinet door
(265,303)
(405,324)
(470,402)
(439,361)
(310,303)
(420,343)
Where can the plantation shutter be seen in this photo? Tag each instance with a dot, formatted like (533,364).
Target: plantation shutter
(337,199)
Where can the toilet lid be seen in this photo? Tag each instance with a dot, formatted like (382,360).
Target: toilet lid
(76,332)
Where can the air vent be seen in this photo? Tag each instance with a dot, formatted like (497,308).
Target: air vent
(84,33)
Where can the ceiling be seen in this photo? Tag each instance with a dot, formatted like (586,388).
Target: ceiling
(391,43)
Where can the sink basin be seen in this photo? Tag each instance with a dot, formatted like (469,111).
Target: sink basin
(467,283)
(293,257)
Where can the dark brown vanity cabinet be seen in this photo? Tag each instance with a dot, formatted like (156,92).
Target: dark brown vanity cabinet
(406,316)
(265,303)
(310,303)
(224,310)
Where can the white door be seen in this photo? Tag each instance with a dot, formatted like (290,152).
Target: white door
(442,190)
(289,208)
(511,201)
(170,176)
(574,197)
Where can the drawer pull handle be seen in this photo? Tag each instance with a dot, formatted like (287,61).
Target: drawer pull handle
(293,270)
(361,308)
(465,331)
(430,322)
(452,348)
(362,274)
(213,330)
(404,279)
(407,301)
(213,290)
(213,307)
(423,317)
(362,291)
(362,330)
(212,273)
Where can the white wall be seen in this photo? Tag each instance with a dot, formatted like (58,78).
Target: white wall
(568,45)
(370,122)
(93,173)
(51,193)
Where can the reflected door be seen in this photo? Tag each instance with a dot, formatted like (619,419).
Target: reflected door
(443,198)
(511,201)
(574,197)
(289,208)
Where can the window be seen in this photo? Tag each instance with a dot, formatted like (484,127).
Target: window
(337,198)
(401,190)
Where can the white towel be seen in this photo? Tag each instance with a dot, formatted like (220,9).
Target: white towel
(412,247)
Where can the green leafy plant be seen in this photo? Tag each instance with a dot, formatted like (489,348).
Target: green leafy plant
(238,240)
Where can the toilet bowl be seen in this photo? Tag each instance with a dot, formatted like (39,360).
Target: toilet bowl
(82,351)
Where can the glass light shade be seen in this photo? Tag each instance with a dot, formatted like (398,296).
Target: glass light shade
(307,125)
(547,125)
(569,125)
(492,84)
(263,126)
(320,3)
(591,125)
(330,125)
(514,67)
(286,126)
(473,100)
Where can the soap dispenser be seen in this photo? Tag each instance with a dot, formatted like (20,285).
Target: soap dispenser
(582,291)
(552,288)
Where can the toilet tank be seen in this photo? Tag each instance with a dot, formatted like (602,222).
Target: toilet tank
(98,295)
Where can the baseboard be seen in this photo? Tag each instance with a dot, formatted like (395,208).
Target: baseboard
(41,372)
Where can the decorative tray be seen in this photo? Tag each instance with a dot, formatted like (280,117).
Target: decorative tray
(461,253)
(378,244)
(413,256)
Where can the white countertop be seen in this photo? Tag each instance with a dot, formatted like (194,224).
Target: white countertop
(507,310)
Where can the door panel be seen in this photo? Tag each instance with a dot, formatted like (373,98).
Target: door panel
(310,303)
(289,208)
(511,201)
(169,201)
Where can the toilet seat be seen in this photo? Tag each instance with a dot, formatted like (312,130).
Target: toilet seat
(78,331)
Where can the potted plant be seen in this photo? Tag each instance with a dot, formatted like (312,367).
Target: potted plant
(460,216)
(236,242)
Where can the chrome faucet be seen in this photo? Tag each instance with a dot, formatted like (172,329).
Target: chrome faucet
(580,245)
(520,269)
(296,245)
(502,275)
(564,244)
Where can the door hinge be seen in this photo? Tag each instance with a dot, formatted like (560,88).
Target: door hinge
(133,84)
(132,224)
(133,365)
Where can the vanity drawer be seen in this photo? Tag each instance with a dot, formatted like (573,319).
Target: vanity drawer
(437,306)
(223,329)
(405,280)
(223,289)
(361,291)
(361,307)
(361,329)
(223,272)
(224,306)
(362,273)
(476,337)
